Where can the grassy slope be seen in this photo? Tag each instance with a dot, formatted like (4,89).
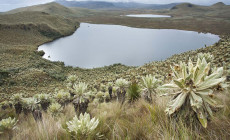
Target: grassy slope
(51,8)
(30,74)
(21,34)
(214,19)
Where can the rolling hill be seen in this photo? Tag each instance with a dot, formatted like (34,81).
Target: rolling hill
(50,8)
(39,23)
(113,5)
(217,10)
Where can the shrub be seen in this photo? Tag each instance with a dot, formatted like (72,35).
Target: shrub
(55,109)
(29,104)
(195,90)
(5,104)
(17,102)
(133,92)
(80,89)
(71,79)
(44,100)
(208,57)
(149,85)
(83,126)
(121,85)
(62,97)
(81,101)
(7,125)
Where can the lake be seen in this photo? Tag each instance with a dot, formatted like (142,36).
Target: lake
(149,16)
(98,45)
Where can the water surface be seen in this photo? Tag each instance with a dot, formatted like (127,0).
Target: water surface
(98,45)
(149,16)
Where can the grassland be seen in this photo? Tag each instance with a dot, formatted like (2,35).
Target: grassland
(23,70)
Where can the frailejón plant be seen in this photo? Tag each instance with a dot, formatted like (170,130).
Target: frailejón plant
(7,125)
(149,85)
(195,89)
(55,109)
(81,127)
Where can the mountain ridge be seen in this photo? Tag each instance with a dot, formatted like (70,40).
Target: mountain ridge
(113,5)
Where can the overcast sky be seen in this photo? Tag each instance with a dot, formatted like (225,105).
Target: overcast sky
(6,5)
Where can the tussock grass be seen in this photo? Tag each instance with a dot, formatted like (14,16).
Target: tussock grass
(48,129)
(148,121)
(139,120)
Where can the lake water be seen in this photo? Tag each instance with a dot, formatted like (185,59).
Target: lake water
(98,45)
(149,16)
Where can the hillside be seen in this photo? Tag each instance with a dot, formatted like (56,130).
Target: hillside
(40,23)
(51,8)
(218,5)
(113,5)
(216,10)
(42,97)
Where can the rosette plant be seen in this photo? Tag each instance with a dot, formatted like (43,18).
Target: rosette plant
(5,104)
(44,100)
(110,89)
(194,85)
(7,125)
(62,97)
(121,86)
(29,105)
(17,102)
(149,84)
(81,101)
(71,80)
(208,57)
(82,127)
(55,109)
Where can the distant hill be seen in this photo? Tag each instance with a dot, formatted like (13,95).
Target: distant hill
(34,26)
(50,8)
(183,6)
(189,6)
(216,10)
(113,5)
(218,5)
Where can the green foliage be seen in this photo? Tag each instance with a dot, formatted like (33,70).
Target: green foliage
(62,97)
(102,96)
(5,104)
(195,86)
(59,75)
(50,33)
(7,125)
(17,98)
(121,83)
(83,126)
(30,103)
(208,57)
(133,92)
(71,79)
(149,84)
(43,98)
(80,89)
(55,109)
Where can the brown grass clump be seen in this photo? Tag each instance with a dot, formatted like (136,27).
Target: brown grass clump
(148,121)
(48,129)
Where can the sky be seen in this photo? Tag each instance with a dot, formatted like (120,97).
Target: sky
(6,5)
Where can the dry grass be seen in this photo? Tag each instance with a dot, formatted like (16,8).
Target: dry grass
(144,121)
(139,120)
(48,129)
